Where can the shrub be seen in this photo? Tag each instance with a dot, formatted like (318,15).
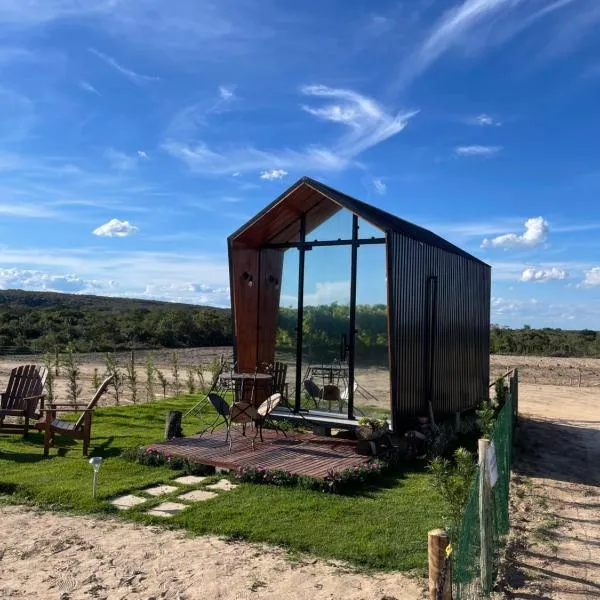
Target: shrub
(453,482)
(72,372)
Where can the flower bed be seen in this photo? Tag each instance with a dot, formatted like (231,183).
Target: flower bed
(333,482)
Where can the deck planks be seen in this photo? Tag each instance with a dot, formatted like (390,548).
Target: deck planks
(299,454)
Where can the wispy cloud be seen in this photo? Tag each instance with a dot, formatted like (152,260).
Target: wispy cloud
(477,150)
(115,228)
(543,275)
(536,231)
(273,174)
(137,78)
(379,185)
(473,26)
(368,124)
(122,161)
(34,211)
(484,120)
(88,87)
(143,155)
(227,92)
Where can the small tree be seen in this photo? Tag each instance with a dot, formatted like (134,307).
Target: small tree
(49,364)
(164,383)
(132,376)
(175,372)
(190,381)
(56,362)
(95,379)
(112,369)
(72,372)
(150,378)
(201,380)
(501,390)
(486,418)
(453,482)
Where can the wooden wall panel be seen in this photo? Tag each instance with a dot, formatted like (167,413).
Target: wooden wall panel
(245,302)
(271,271)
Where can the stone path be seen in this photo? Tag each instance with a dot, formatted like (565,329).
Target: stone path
(175,504)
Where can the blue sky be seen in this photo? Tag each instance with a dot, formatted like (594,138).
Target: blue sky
(136,135)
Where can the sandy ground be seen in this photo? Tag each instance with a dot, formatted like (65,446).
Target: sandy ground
(554,549)
(72,558)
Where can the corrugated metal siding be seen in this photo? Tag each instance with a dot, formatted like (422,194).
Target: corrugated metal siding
(462,332)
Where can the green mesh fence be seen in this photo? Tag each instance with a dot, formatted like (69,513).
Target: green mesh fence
(474,571)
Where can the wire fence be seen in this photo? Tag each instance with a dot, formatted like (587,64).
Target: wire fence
(485,524)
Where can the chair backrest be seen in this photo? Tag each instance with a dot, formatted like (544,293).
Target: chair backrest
(219,404)
(312,388)
(279,373)
(268,405)
(92,403)
(25,381)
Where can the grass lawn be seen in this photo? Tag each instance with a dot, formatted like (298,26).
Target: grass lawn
(381,527)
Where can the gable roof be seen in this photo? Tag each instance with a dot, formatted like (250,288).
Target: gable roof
(279,222)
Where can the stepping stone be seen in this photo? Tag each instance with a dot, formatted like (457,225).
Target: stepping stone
(223,484)
(189,480)
(166,509)
(160,490)
(127,501)
(197,496)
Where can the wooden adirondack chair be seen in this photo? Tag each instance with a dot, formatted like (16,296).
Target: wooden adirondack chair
(79,430)
(24,392)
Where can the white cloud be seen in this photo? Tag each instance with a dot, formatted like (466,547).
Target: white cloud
(536,231)
(137,78)
(543,275)
(142,154)
(273,174)
(592,277)
(88,87)
(327,292)
(367,123)
(477,150)
(484,120)
(115,228)
(380,186)
(28,279)
(226,92)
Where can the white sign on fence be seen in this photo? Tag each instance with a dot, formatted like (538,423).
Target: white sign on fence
(490,465)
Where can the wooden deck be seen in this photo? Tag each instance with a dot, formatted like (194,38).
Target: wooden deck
(298,453)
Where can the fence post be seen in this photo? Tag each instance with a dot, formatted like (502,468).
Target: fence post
(484,555)
(437,542)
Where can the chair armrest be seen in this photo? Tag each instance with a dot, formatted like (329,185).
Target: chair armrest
(63,404)
(38,397)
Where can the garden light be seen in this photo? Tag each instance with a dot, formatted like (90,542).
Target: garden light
(96,462)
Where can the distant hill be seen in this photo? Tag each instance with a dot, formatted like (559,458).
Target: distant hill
(43,321)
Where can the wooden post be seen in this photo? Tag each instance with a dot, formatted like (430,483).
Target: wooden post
(173,425)
(437,542)
(482,448)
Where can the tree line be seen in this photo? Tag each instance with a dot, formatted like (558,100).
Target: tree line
(42,322)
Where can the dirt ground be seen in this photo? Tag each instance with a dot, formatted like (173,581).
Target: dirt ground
(554,548)
(373,381)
